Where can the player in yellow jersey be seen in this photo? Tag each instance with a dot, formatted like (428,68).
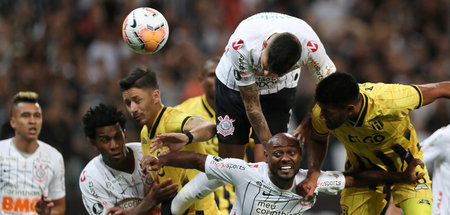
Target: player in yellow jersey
(141,96)
(203,106)
(372,121)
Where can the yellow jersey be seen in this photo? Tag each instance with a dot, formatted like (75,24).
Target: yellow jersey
(172,120)
(382,137)
(198,106)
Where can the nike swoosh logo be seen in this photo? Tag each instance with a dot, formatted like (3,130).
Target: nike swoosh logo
(134,22)
(267,194)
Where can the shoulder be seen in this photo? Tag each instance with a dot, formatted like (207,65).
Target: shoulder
(189,102)
(92,170)
(5,144)
(48,149)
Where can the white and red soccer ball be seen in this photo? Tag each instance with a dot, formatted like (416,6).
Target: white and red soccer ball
(145,30)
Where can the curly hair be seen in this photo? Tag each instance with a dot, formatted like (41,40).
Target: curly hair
(100,116)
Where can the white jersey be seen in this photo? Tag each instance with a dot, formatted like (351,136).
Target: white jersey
(240,64)
(103,187)
(255,192)
(436,149)
(24,179)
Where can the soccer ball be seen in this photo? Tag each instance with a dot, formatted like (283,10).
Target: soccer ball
(145,30)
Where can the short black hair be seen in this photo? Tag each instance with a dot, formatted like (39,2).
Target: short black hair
(100,116)
(140,78)
(338,89)
(283,52)
(24,96)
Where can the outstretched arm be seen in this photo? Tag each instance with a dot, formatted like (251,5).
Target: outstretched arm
(195,130)
(369,177)
(250,98)
(182,159)
(433,91)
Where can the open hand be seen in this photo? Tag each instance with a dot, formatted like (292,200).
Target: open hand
(410,173)
(150,162)
(174,141)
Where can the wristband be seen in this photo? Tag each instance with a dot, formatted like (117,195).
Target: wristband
(189,135)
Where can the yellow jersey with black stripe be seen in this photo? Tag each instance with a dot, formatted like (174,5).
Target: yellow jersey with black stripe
(382,137)
(172,120)
(198,106)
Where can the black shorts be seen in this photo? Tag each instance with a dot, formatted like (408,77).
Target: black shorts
(233,126)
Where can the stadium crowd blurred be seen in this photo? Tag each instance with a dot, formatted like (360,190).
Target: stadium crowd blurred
(72,53)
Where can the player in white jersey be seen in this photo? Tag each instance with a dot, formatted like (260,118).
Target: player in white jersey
(257,78)
(112,181)
(31,171)
(436,149)
(265,188)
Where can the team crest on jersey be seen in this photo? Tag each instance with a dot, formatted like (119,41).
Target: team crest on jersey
(237,44)
(312,46)
(40,172)
(225,126)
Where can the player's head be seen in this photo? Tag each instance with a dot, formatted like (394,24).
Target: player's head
(280,54)
(284,156)
(208,76)
(26,116)
(141,95)
(104,125)
(337,95)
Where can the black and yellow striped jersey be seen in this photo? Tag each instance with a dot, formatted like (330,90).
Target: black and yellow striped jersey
(382,137)
(172,120)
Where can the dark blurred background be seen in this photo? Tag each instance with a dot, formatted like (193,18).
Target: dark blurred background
(71,52)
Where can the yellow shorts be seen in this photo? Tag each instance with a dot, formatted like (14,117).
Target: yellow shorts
(357,200)
(224,197)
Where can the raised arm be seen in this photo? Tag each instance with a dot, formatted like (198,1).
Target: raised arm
(433,91)
(250,98)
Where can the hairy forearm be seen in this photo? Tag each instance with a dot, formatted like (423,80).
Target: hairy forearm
(144,207)
(184,159)
(250,98)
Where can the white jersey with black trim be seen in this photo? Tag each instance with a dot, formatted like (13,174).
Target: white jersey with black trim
(103,187)
(255,192)
(240,64)
(436,149)
(24,178)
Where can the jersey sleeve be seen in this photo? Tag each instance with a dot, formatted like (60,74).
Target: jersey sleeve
(436,146)
(395,100)
(330,182)
(318,124)
(240,63)
(95,197)
(229,170)
(57,188)
(318,61)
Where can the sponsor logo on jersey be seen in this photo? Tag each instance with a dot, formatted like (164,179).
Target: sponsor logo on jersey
(424,201)
(83,176)
(128,203)
(312,46)
(237,44)
(225,126)
(97,208)
(18,205)
(253,165)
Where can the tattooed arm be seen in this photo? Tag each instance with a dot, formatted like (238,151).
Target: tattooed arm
(250,98)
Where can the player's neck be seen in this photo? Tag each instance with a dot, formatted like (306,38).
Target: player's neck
(281,183)
(24,145)
(210,102)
